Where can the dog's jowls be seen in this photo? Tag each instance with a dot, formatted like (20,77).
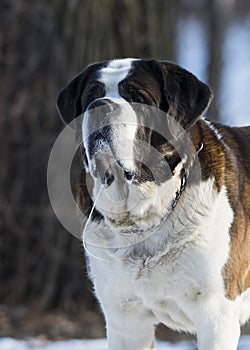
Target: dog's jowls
(167,193)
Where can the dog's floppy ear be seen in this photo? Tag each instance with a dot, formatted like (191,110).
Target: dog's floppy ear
(69,99)
(186,97)
(69,104)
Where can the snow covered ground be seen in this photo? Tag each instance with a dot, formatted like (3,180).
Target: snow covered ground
(99,344)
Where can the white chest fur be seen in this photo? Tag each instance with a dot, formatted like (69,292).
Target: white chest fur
(175,267)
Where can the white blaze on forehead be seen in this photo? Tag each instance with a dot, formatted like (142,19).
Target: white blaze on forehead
(115,72)
(124,124)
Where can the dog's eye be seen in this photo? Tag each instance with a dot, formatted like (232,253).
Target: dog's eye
(133,94)
(94,91)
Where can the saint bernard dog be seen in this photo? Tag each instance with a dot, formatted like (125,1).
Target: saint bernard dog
(166,194)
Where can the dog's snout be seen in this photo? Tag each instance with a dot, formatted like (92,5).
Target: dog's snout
(108,132)
(105,104)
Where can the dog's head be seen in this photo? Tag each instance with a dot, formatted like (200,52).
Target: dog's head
(135,113)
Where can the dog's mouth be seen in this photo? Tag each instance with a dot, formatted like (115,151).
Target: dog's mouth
(125,196)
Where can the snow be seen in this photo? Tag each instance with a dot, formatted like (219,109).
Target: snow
(98,344)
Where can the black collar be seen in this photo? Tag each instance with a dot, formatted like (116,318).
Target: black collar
(181,189)
(183,183)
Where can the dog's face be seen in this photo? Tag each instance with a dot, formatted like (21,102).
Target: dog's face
(135,114)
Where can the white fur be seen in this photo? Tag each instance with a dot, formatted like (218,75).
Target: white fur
(116,71)
(179,283)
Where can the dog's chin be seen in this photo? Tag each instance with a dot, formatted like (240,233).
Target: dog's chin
(132,208)
(132,224)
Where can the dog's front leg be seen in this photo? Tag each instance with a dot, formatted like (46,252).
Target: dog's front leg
(129,330)
(119,341)
(218,326)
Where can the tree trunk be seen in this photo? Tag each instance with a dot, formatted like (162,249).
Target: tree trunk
(43,45)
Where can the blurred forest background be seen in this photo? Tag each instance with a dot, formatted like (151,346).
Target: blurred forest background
(43,280)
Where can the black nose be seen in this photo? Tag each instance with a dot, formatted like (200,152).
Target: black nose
(108,179)
(129,175)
